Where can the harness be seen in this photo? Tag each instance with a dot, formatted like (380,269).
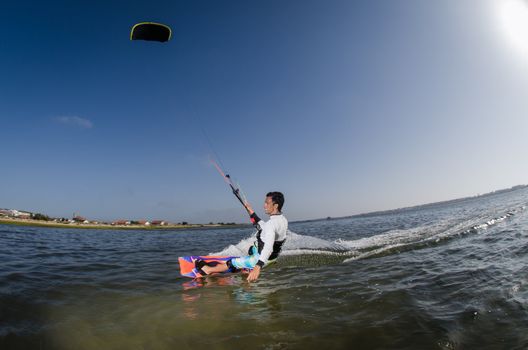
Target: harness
(277,247)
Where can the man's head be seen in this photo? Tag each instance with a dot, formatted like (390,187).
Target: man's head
(273,203)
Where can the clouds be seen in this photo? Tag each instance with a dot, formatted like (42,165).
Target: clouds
(74,121)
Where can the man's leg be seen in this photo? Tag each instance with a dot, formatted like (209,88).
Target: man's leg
(246,262)
(220,267)
(235,264)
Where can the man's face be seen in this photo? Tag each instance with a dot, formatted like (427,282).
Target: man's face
(269,206)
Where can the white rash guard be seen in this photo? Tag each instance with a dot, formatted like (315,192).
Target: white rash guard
(274,230)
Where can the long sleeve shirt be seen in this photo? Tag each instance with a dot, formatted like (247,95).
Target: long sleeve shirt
(273,230)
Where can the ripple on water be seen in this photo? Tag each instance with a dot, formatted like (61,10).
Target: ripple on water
(430,278)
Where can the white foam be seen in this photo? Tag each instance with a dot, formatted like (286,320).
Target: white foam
(297,244)
(374,252)
(241,248)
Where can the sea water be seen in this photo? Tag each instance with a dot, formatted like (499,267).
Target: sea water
(450,275)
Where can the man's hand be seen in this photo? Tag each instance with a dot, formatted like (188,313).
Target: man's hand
(254,274)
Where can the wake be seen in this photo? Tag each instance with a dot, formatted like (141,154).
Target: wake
(301,250)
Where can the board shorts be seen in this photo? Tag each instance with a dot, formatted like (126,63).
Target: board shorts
(246,262)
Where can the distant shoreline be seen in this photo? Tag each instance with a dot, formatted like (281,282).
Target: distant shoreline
(413,207)
(40,223)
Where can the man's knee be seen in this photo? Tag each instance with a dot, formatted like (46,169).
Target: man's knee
(230,266)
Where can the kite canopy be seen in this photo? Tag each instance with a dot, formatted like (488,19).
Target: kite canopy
(151,32)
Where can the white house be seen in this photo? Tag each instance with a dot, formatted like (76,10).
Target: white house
(19,214)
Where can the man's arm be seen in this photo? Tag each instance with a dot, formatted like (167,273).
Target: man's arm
(268,237)
(255,272)
(252,215)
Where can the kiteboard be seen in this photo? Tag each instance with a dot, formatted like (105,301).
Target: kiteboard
(188,269)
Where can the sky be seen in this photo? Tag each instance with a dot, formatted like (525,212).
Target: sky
(344,106)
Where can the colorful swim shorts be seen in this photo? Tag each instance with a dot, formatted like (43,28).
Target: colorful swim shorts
(246,262)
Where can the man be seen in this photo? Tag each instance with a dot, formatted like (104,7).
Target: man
(271,235)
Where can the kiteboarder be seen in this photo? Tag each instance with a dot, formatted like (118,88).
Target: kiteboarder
(270,237)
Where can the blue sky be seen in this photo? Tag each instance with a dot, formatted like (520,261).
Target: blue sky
(345,106)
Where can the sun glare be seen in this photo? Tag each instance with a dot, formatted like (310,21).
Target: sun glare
(513,17)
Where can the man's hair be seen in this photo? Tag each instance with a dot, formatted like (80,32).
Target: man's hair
(277,198)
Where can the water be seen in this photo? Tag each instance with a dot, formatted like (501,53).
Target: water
(444,276)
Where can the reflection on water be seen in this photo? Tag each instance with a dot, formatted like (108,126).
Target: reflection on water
(212,281)
(233,289)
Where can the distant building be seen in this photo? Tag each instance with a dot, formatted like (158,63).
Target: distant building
(144,222)
(121,222)
(80,219)
(19,214)
(159,223)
